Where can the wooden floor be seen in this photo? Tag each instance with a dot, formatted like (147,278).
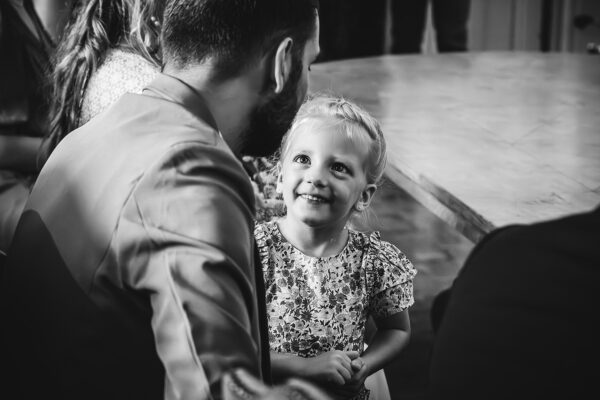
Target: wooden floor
(483,139)
(438,252)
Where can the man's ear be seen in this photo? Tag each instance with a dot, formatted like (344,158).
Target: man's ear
(283,63)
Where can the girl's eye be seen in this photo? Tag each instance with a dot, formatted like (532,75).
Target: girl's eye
(302,159)
(339,167)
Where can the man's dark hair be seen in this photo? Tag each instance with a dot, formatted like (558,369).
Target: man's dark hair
(233,33)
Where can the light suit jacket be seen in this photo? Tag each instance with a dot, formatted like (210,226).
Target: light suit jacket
(132,272)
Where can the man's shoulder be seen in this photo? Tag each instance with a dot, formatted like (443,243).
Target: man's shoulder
(145,129)
(154,114)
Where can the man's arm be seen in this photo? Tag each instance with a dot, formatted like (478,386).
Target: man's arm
(196,212)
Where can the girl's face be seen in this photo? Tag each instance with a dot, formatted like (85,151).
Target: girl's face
(323,176)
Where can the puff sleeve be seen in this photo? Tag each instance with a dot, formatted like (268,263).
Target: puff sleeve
(389,278)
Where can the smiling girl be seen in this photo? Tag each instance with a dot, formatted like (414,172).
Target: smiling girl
(323,279)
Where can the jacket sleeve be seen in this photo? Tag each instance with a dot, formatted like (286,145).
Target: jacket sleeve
(186,238)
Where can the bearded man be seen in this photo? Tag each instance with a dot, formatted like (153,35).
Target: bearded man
(132,271)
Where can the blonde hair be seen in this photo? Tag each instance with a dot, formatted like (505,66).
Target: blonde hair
(352,120)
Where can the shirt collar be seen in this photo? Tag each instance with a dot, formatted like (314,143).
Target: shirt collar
(177,91)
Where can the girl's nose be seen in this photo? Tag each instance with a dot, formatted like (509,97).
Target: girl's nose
(316,177)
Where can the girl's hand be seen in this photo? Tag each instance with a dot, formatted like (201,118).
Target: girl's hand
(360,373)
(331,368)
(353,386)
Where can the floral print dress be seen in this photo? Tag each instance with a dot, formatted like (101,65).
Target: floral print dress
(319,304)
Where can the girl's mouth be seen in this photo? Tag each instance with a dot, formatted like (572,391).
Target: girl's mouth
(313,198)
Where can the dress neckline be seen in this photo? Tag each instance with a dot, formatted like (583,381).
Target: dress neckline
(344,250)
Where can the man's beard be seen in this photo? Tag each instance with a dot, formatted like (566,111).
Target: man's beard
(270,121)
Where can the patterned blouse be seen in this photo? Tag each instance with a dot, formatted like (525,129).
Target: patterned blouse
(318,304)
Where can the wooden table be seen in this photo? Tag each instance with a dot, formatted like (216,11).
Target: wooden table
(483,139)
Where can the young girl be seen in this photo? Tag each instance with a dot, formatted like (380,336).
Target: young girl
(323,279)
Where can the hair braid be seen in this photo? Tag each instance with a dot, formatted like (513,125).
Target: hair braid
(95,25)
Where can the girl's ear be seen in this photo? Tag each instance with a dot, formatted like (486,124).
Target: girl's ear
(365,197)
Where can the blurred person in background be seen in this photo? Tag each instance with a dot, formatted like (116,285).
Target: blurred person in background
(110,48)
(352,29)
(409,19)
(25,52)
(520,320)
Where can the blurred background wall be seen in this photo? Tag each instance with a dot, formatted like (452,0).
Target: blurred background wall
(545,25)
